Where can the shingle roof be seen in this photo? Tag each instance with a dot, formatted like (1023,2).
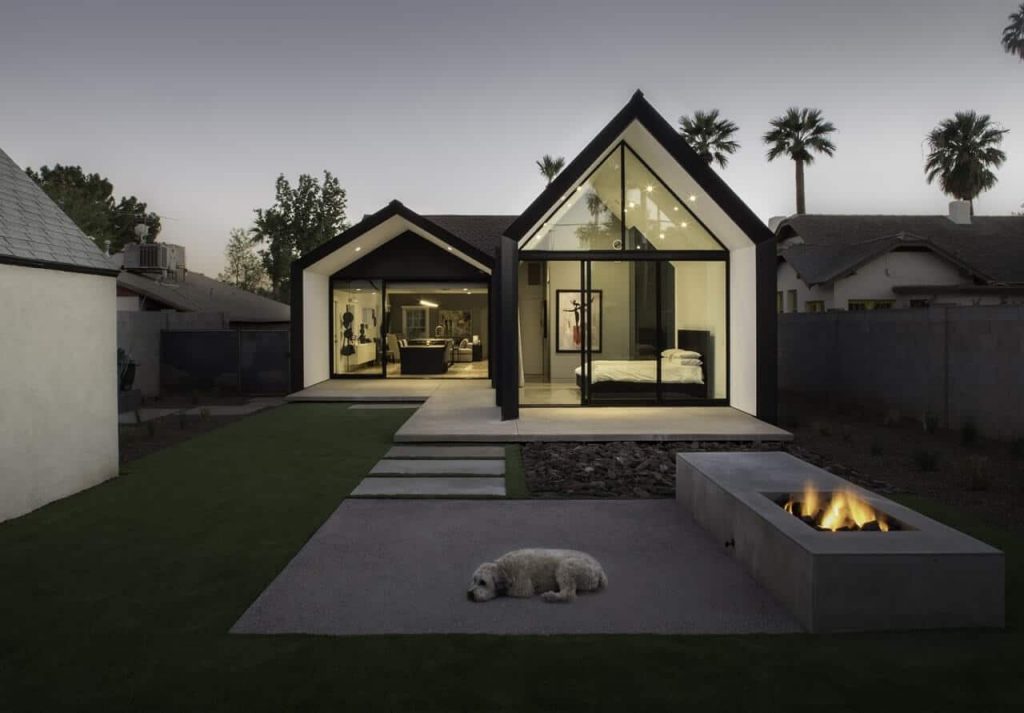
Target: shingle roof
(481,231)
(33,230)
(199,293)
(991,247)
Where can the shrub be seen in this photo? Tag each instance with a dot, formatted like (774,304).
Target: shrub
(968,433)
(926,461)
(979,473)
(204,413)
(876,449)
(930,423)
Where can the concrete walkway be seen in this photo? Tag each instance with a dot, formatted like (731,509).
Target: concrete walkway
(465,412)
(450,471)
(417,390)
(249,407)
(403,567)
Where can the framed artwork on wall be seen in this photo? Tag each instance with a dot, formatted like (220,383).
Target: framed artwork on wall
(572,321)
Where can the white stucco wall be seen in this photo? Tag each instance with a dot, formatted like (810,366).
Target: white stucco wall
(787,279)
(743,329)
(58,385)
(316,328)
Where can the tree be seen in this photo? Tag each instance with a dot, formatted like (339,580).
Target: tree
(962,152)
(243,267)
(89,201)
(1013,34)
(710,136)
(550,167)
(300,219)
(797,134)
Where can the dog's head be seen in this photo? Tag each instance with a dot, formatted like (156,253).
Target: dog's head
(487,583)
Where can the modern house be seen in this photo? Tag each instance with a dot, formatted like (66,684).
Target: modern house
(638,277)
(58,367)
(865,262)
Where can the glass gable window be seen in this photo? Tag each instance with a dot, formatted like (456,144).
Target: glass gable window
(622,205)
(589,219)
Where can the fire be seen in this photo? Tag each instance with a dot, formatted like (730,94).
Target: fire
(846,510)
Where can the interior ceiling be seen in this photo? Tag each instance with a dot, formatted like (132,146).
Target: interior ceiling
(409,288)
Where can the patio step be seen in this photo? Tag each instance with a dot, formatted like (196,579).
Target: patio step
(446,452)
(437,466)
(359,407)
(432,486)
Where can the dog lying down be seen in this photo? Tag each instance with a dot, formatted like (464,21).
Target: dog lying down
(554,574)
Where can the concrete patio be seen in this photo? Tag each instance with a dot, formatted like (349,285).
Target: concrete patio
(403,566)
(464,411)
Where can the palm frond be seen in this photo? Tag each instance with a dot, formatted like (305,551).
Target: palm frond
(963,151)
(710,136)
(1013,34)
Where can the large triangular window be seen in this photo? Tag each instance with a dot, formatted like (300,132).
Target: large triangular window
(622,205)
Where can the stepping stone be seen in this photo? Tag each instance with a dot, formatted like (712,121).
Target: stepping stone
(446,452)
(431,486)
(377,406)
(439,467)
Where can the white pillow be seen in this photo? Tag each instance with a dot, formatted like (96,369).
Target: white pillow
(680,354)
(685,362)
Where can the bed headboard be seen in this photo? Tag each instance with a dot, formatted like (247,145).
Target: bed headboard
(696,341)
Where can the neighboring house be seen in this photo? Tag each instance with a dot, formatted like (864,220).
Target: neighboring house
(165,312)
(864,262)
(58,366)
(636,278)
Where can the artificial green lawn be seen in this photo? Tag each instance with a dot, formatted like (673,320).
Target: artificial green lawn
(120,598)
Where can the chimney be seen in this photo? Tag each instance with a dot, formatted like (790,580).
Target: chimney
(960,212)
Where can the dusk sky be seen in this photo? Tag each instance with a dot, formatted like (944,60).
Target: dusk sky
(196,107)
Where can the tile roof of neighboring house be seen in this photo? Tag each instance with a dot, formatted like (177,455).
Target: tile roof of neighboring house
(35,231)
(199,293)
(990,247)
(481,231)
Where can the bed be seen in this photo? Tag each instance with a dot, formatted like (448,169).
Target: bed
(624,379)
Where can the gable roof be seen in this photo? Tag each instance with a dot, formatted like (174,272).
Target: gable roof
(396,208)
(640,110)
(196,292)
(991,248)
(35,232)
(481,231)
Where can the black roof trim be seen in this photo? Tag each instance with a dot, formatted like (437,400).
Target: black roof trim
(60,266)
(639,109)
(370,222)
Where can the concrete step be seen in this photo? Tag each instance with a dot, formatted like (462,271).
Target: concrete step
(476,466)
(358,407)
(430,486)
(446,452)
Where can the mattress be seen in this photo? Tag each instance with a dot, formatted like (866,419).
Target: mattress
(643,371)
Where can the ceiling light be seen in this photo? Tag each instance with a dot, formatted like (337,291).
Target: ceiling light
(449,248)
(661,235)
(427,303)
(632,204)
(579,188)
(650,189)
(675,208)
(358,248)
(683,224)
(693,198)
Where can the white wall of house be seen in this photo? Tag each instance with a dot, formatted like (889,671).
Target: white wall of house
(787,280)
(316,328)
(58,385)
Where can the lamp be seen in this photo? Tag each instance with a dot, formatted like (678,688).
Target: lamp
(427,303)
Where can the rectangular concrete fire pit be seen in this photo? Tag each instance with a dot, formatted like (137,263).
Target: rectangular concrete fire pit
(922,576)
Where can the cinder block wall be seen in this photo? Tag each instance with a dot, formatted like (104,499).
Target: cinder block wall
(960,364)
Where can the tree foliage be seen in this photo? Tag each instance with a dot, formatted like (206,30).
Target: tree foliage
(799,134)
(962,152)
(301,218)
(710,136)
(550,167)
(88,199)
(243,268)
(1013,33)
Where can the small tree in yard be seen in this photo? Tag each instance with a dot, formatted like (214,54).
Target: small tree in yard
(243,268)
(300,219)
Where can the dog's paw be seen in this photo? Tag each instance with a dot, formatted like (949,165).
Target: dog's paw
(556,597)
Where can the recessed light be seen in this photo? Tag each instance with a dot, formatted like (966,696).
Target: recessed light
(661,235)
(579,188)
(632,204)
(693,198)
(675,208)
(650,189)
(449,248)
(358,248)
(683,224)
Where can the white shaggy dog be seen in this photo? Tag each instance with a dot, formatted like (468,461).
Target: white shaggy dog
(555,574)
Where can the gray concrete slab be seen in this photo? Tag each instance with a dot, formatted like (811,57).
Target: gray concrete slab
(380,390)
(370,407)
(433,486)
(439,467)
(430,452)
(465,412)
(402,567)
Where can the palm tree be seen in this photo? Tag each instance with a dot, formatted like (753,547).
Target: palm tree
(1013,34)
(550,167)
(797,134)
(709,136)
(962,153)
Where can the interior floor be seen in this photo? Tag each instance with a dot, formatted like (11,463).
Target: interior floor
(458,370)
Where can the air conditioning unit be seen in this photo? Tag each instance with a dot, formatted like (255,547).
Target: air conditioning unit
(157,257)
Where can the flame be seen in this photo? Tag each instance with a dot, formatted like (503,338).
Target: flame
(845,509)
